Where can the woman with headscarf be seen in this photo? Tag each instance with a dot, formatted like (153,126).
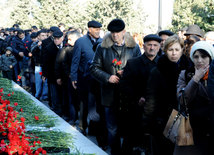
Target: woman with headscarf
(194,83)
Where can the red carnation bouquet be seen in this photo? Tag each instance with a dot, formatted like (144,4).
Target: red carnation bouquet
(117,64)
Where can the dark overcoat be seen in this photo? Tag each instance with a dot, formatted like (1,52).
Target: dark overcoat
(102,67)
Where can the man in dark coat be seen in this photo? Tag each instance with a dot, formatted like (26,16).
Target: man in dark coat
(107,68)
(49,70)
(83,54)
(44,45)
(133,88)
(164,34)
(20,46)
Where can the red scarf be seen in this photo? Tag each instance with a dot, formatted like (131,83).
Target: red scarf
(206,75)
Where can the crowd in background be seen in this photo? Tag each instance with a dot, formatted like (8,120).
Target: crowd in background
(117,85)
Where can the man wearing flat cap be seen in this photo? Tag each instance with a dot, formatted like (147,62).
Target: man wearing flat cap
(48,70)
(107,68)
(164,34)
(133,89)
(83,54)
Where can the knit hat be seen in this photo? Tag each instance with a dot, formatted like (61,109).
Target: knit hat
(204,45)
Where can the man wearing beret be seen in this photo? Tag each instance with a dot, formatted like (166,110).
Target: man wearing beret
(164,34)
(48,70)
(44,46)
(133,88)
(107,68)
(83,54)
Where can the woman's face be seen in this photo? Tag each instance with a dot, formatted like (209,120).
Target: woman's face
(200,60)
(174,52)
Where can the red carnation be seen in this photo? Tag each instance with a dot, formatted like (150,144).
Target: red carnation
(36,118)
(15,103)
(19,77)
(4,134)
(22,119)
(40,73)
(115,60)
(9,95)
(119,63)
(44,152)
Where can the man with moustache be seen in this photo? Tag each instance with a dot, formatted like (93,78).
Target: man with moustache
(133,88)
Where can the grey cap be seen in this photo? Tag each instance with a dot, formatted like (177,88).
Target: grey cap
(9,48)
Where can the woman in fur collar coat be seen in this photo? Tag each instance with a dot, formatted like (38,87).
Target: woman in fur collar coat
(161,93)
(200,107)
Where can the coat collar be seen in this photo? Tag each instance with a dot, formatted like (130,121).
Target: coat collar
(108,42)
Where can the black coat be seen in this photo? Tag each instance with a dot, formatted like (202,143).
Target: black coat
(161,91)
(63,63)
(48,69)
(135,76)
(102,67)
(44,45)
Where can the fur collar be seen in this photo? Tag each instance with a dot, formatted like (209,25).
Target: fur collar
(108,42)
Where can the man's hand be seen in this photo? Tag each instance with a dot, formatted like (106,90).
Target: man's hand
(74,84)
(141,101)
(21,54)
(39,43)
(30,54)
(43,78)
(11,66)
(114,79)
(120,72)
(59,81)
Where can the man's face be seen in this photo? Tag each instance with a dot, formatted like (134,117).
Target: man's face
(94,32)
(21,36)
(34,39)
(42,36)
(163,37)
(151,48)
(72,39)
(58,41)
(117,37)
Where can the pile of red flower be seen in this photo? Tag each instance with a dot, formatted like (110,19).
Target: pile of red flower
(12,131)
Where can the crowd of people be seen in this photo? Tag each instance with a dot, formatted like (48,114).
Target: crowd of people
(119,87)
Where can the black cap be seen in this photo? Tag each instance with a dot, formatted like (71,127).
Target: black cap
(194,30)
(116,25)
(57,34)
(94,24)
(150,37)
(54,28)
(12,29)
(33,35)
(166,32)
